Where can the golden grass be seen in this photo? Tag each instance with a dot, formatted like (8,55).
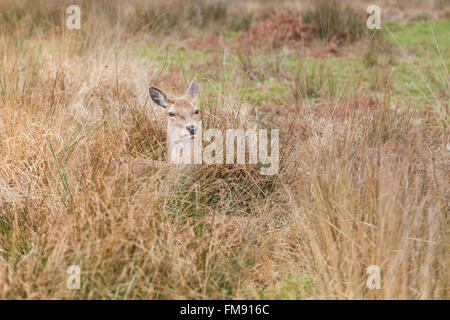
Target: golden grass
(359,184)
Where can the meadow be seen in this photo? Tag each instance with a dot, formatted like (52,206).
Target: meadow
(363,177)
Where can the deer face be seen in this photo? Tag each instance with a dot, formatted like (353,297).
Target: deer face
(181,112)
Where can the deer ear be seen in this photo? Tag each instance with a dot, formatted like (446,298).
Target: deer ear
(158,97)
(193,89)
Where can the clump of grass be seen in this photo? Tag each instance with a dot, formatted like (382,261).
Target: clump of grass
(313,81)
(215,16)
(378,50)
(335,22)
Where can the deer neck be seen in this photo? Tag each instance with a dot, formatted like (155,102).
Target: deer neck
(180,148)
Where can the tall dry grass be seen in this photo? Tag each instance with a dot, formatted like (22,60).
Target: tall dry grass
(359,184)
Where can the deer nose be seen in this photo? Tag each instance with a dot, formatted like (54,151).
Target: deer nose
(192,130)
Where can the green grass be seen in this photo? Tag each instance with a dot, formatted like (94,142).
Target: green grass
(417,36)
(423,61)
(417,65)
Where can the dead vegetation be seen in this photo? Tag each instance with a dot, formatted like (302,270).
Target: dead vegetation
(282,28)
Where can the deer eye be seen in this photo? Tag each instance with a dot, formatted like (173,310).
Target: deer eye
(171,114)
(197,111)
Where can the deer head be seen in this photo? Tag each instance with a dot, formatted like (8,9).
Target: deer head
(182,115)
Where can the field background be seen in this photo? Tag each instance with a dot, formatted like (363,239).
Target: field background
(364,150)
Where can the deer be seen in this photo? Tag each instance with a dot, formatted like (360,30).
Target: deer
(183,117)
